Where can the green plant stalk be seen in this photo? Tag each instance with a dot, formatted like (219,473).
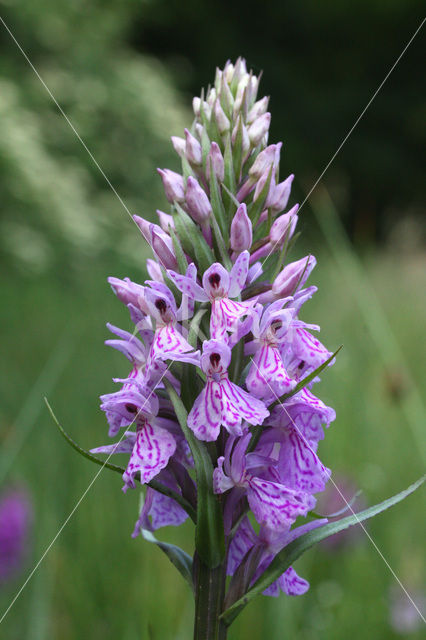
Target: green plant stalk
(209,593)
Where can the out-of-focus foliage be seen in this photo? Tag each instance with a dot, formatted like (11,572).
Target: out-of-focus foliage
(54,199)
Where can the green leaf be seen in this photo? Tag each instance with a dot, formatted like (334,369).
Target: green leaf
(216,202)
(80,450)
(180,256)
(177,556)
(285,558)
(209,534)
(154,484)
(306,380)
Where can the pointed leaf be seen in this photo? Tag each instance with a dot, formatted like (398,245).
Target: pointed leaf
(294,550)
(177,556)
(154,484)
(192,239)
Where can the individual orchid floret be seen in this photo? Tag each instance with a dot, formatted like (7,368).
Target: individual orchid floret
(173,185)
(273,504)
(215,162)
(154,270)
(179,145)
(219,286)
(151,446)
(260,127)
(167,342)
(197,202)
(267,377)
(222,402)
(129,292)
(270,542)
(241,230)
(281,195)
(283,227)
(160,242)
(307,412)
(166,220)
(193,150)
(293,277)
(159,510)
(258,109)
(222,121)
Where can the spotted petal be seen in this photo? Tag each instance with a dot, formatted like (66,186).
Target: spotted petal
(299,466)
(267,377)
(188,286)
(205,416)
(239,405)
(238,275)
(275,505)
(151,453)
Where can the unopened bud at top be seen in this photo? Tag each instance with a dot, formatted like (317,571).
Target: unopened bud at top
(259,128)
(166,220)
(216,161)
(293,277)
(197,201)
(281,195)
(222,121)
(173,185)
(241,230)
(270,155)
(283,228)
(179,145)
(257,110)
(193,149)
(162,246)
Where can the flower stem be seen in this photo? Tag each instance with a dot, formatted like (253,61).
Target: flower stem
(209,590)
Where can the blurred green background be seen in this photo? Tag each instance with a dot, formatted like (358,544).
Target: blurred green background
(124,73)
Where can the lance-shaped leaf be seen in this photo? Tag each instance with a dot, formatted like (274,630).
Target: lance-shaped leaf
(209,535)
(154,484)
(285,558)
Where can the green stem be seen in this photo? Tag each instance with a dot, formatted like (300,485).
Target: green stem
(209,592)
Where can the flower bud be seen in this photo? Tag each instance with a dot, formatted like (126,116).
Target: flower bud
(228,71)
(284,226)
(257,110)
(127,291)
(241,230)
(144,226)
(178,145)
(173,185)
(263,161)
(196,106)
(193,149)
(166,220)
(260,185)
(162,245)
(259,128)
(281,195)
(215,157)
(197,201)
(222,121)
(294,275)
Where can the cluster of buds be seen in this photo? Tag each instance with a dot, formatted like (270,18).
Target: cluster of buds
(218,340)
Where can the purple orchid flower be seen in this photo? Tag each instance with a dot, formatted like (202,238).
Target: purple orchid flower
(159,510)
(222,402)
(268,378)
(151,446)
(271,542)
(273,504)
(219,287)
